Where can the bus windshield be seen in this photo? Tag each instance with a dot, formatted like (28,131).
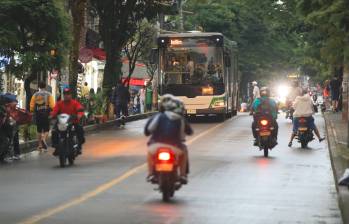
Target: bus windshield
(193,70)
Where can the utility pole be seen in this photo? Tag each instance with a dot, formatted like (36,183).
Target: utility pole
(181,19)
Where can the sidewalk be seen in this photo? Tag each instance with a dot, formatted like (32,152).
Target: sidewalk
(337,132)
(30,146)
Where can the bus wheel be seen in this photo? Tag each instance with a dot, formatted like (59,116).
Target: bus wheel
(222,117)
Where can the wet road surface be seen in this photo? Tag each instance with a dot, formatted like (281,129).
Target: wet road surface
(230,181)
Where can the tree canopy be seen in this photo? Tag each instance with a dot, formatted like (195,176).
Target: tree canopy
(33,40)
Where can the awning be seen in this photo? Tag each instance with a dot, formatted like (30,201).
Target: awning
(99,54)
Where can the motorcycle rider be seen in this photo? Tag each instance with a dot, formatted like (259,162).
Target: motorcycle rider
(303,107)
(294,92)
(264,106)
(169,127)
(73,108)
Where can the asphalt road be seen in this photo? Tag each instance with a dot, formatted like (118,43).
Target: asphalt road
(230,181)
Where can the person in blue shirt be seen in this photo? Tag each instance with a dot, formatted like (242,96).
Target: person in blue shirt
(264,106)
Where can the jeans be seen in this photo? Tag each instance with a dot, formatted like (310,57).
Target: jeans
(121,109)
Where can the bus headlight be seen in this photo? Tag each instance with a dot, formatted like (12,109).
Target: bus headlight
(219,103)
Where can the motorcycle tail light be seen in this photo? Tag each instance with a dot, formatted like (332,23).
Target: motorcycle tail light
(264,122)
(302,120)
(164,156)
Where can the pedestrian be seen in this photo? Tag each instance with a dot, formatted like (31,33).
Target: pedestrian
(121,98)
(41,105)
(256,93)
(142,93)
(335,86)
(85,91)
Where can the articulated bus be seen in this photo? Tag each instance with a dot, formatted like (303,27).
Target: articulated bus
(200,69)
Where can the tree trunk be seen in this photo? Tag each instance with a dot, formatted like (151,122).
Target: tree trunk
(78,8)
(112,70)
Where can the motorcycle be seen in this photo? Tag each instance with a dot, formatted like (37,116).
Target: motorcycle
(8,129)
(67,140)
(289,110)
(166,171)
(304,133)
(265,139)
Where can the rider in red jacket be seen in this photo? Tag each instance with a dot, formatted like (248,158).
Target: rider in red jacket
(72,107)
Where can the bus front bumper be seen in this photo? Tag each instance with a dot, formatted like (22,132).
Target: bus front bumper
(217,110)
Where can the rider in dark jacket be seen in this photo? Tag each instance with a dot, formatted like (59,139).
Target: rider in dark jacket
(169,127)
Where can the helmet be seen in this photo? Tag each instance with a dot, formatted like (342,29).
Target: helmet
(265,91)
(167,103)
(254,83)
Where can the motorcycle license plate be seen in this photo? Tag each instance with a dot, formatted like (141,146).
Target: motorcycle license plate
(265,133)
(302,129)
(164,167)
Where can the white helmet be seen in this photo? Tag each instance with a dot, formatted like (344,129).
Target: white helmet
(254,83)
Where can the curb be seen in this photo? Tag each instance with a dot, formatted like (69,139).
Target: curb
(30,146)
(338,165)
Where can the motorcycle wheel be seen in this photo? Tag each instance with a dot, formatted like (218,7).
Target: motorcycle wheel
(62,157)
(304,144)
(165,186)
(266,151)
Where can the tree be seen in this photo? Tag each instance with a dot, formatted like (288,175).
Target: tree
(262,29)
(118,23)
(139,46)
(78,9)
(35,41)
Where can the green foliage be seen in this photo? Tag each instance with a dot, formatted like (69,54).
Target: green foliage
(118,23)
(263,30)
(29,30)
(326,36)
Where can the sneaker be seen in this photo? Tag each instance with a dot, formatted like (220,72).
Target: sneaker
(55,153)
(44,145)
(321,139)
(289,144)
(151,178)
(183,179)
(16,157)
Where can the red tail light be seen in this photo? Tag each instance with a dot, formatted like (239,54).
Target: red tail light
(302,120)
(264,122)
(164,156)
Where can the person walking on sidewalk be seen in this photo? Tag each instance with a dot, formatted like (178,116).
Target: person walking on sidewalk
(41,105)
(142,93)
(335,86)
(121,98)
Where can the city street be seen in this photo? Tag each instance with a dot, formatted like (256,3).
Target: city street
(230,181)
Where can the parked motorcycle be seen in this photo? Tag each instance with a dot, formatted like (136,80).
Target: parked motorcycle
(8,128)
(265,139)
(166,172)
(67,144)
(304,133)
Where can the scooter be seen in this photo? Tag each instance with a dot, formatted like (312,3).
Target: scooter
(67,140)
(166,172)
(265,139)
(289,110)
(8,129)
(304,133)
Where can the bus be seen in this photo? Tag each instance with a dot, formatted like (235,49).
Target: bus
(200,69)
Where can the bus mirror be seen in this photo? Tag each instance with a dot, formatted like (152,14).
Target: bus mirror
(154,56)
(227,61)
